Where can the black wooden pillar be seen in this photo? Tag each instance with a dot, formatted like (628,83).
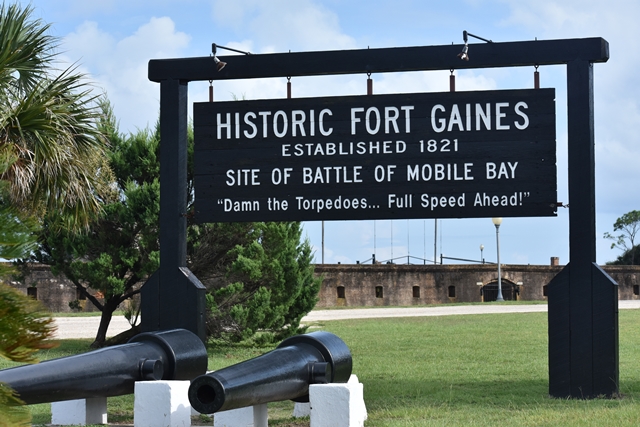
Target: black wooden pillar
(173,196)
(173,297)
(583,299)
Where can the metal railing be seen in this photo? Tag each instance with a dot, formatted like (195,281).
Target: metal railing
(423,261)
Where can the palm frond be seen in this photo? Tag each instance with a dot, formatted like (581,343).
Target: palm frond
(26,50)
(48,123)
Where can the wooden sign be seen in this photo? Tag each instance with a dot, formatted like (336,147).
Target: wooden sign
(420,155)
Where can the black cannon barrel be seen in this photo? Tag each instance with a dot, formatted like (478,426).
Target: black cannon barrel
(168,355)
(282,374)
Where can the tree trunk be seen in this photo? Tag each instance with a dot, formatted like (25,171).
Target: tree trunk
(105,319)
(123,337)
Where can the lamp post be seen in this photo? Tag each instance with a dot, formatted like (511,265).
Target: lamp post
(497,222)
(323,242)
(481,251)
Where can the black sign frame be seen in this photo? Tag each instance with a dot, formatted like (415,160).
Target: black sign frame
(583,300)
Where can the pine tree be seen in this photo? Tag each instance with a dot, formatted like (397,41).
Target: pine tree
(258,276)
(119,249)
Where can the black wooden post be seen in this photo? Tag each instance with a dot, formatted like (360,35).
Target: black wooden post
(173,297)
(583,300)
(173,197)
(582,227)
(581,144)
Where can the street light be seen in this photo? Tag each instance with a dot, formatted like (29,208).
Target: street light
(481,250)
(497,222)
(322,242)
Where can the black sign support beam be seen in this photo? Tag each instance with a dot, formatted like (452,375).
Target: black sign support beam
(583,300)
(173,297)
(582,225)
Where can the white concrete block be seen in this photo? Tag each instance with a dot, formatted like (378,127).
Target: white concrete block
(162,404)
(97,410)
(241,417)
(260,416)
(358,394)
(79,412)
(301,409)
(337,405)
(251,416)
(69,412)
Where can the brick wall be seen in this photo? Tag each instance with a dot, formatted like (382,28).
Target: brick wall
(380,284)
(405,285)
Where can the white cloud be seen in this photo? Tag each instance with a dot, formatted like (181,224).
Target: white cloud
(120,66)
(617,94)
(158,38)
(551,17)
(281,25)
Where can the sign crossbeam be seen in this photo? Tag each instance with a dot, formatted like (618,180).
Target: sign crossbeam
(382,60)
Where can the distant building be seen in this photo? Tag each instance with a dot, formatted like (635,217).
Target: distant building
(358,285)
(406,285)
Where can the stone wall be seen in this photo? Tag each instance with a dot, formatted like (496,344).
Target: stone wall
(405,285)
(379,284)
(55,292)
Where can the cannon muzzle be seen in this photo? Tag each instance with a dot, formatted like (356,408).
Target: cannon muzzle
(169,355)
(282,374)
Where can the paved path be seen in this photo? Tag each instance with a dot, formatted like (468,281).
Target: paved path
(86,327)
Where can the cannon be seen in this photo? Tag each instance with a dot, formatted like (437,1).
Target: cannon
(284,373)
(168,355)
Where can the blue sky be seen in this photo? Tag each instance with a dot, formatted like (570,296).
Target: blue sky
(113,40)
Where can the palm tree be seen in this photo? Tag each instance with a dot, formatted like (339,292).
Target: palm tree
(51,159)
(51,151)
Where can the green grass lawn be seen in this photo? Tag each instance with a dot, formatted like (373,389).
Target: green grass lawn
(480,370)
(476,370)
